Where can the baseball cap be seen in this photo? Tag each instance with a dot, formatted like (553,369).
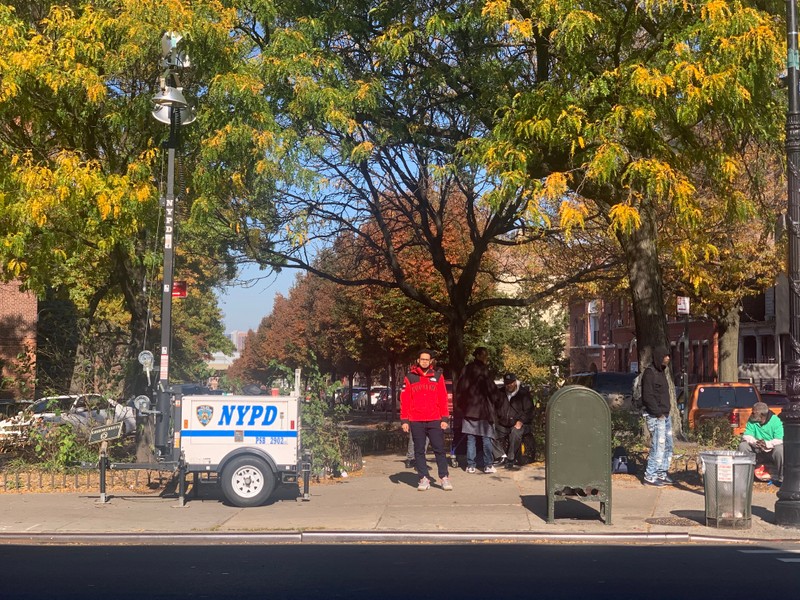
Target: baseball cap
(509,378)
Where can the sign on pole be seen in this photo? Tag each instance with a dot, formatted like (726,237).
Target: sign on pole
(104,433)
(683,305)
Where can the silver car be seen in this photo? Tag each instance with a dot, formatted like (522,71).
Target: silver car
(82,411)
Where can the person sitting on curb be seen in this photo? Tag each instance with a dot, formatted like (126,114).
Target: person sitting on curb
(514,416)
(763,436)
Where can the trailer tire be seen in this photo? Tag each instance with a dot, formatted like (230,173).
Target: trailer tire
(247,481)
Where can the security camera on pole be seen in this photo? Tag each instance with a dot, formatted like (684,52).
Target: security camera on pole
(170,108)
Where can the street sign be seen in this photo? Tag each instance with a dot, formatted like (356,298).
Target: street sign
(104,433)
(683,305)
(179,289)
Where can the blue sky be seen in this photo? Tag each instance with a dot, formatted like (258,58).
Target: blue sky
(244,307)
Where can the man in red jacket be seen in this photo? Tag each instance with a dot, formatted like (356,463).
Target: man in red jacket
(423,411)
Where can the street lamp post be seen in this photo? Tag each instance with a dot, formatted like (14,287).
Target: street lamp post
(787,507)
(170,108)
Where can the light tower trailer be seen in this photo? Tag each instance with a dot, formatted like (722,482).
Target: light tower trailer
(250,442)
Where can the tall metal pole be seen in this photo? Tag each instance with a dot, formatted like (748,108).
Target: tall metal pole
(164,398)
(173,109)
(787,507)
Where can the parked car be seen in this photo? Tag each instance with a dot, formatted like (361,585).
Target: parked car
(190,389)
(82,411)
(732,401)
(374,396)
(385,400)
(774,398)
(616,388)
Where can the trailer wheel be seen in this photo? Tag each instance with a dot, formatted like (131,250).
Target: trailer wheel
(247,481)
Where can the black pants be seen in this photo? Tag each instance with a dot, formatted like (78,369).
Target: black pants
(511,439)
(432,430)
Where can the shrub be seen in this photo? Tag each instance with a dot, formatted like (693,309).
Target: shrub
(627,430)
(715,433)
(56,446)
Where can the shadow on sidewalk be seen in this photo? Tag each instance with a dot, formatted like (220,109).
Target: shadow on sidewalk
(697,516)
(564,509)
(407,477)
(766,515)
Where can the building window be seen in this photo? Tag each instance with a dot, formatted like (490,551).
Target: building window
(594,323)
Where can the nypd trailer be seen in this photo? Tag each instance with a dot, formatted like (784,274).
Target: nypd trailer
(250,442)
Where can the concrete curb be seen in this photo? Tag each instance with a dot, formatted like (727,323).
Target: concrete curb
(357,537)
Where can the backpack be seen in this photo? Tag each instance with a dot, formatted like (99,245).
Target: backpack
(636,395)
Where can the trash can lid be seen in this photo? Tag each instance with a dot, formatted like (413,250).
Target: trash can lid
(714,456)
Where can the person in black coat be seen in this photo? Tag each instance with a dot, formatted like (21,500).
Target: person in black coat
(656,402)
(475,397)
(514,417)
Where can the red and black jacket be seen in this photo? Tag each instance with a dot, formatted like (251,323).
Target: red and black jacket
(424,396)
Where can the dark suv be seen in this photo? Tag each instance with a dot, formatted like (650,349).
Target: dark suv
(616,388)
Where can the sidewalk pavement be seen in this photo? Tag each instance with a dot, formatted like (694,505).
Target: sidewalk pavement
(381,503)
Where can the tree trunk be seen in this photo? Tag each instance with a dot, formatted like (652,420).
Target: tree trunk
(456,353)
(647,291)
(728,329)
(647,295)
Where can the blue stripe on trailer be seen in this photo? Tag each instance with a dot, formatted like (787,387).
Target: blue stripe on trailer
(231,433)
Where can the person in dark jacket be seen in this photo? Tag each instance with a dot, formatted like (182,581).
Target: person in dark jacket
(514,417)
(476,396)
(423,411)
(656,403)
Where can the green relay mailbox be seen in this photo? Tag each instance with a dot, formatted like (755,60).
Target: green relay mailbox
(578,453)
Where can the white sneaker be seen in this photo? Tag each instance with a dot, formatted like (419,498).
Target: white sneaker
(490,469)
(471,470)
(446,485)
(424,484)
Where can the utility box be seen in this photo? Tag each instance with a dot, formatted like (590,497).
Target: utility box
(578,452)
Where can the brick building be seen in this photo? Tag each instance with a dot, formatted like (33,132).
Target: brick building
(602,337)
(17,338)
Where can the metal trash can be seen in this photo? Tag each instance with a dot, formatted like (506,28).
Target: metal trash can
(728,483)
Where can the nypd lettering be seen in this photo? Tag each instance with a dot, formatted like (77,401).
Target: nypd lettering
(247,414)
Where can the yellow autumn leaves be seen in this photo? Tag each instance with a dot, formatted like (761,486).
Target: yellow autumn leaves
(68,180)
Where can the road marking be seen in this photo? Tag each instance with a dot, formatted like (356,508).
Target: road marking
(770,551)
(790,560)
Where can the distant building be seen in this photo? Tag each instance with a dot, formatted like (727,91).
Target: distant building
(17,341)
(219,364)
(602,337)
(238,338)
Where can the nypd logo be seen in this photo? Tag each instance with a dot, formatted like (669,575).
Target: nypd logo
(204,414)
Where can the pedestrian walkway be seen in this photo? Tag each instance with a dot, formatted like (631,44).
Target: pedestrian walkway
(382,502)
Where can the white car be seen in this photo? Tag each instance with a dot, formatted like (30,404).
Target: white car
(82,411)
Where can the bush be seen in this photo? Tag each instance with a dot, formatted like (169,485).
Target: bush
(716,433)
(57,446)
(627,430)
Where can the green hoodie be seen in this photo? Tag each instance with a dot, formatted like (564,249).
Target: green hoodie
(771,431)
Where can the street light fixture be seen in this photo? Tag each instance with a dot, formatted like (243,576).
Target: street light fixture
(787,507)
(170,107)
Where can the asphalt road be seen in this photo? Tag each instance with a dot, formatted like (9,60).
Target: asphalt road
(383,571)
